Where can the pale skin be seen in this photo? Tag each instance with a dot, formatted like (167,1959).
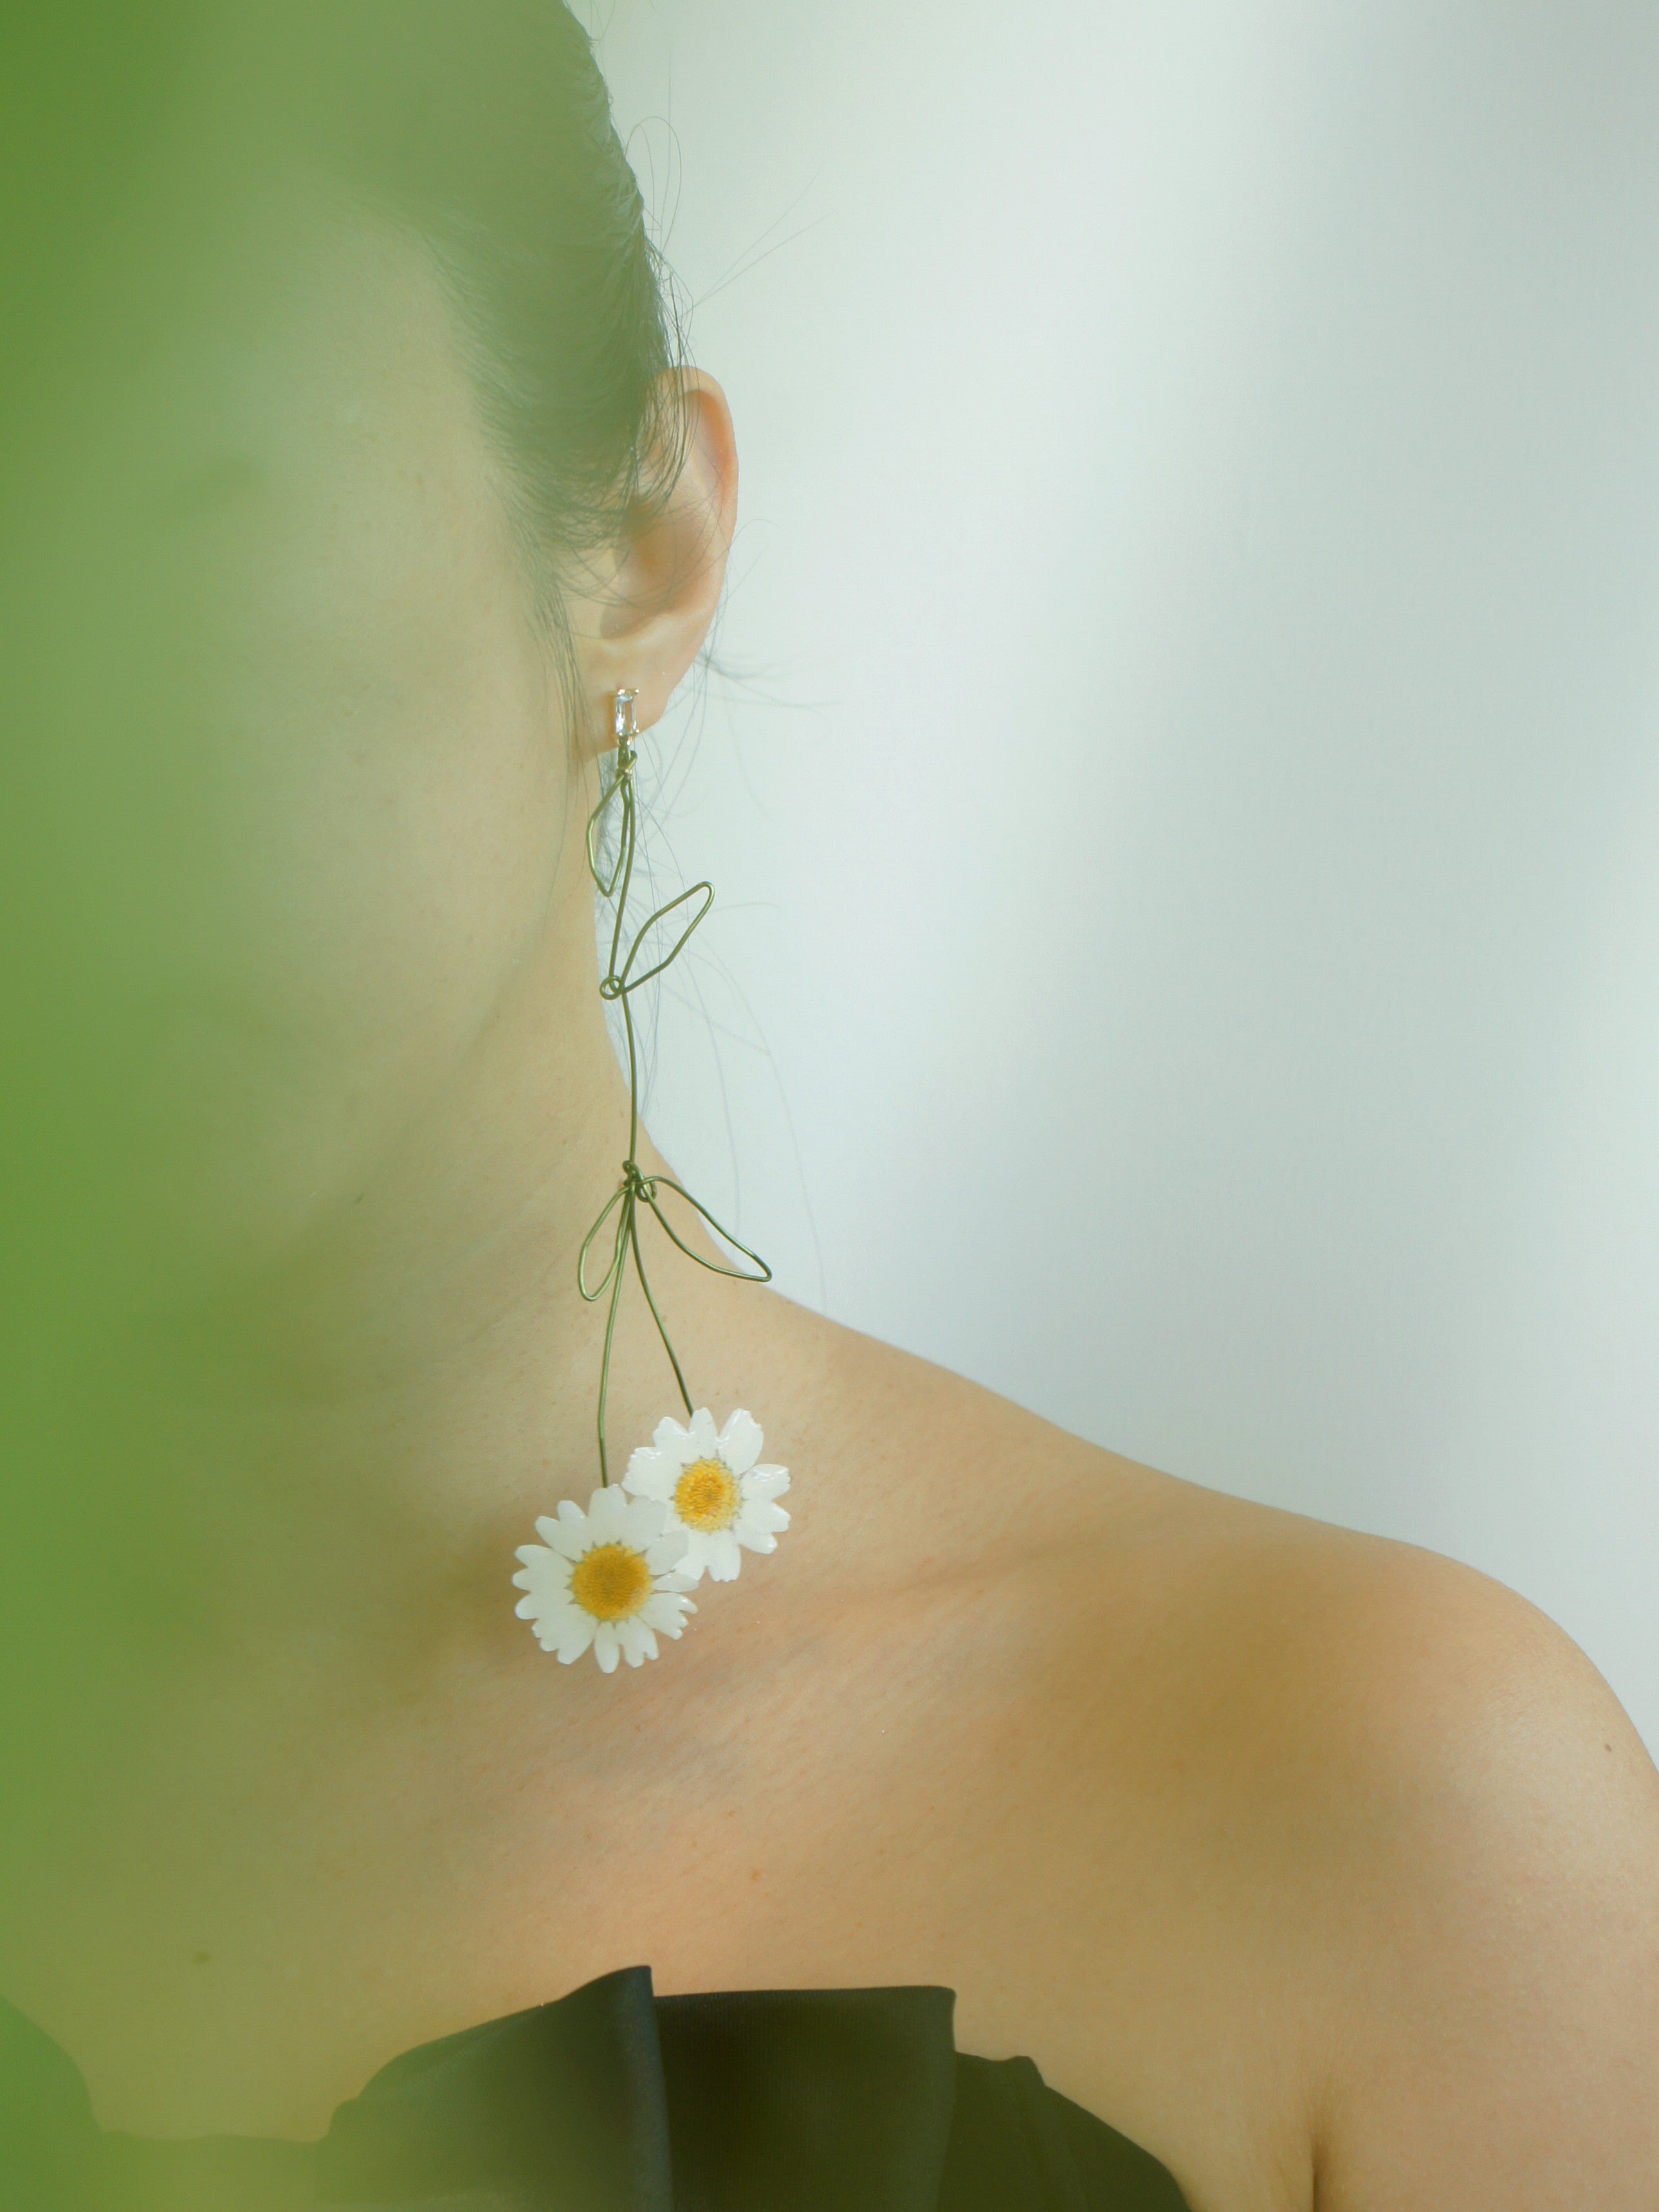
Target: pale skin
(1324,1869)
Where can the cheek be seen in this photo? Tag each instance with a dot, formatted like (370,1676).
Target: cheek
(297,822)
(386,838)
(312,816)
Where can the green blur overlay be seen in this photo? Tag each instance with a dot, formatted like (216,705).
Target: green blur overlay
(133,140)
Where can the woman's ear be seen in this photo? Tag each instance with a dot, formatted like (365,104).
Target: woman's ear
(643,632)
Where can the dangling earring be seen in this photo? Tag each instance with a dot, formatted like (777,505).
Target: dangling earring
(615,1577)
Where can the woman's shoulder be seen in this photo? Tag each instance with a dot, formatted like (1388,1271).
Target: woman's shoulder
(1391,1825)
(1307,1812)
(1245,1631)
(1460,1828)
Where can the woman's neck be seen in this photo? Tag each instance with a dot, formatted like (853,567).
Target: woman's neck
(322,1468)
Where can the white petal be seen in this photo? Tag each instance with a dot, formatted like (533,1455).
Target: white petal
(766,1482)
(607,1516)
(666,1552)
(697,1542)
(681,1580)
(646,1519)
(544,1528)
(562,1627)
(740,1442)
(666,1615)
(568,1510)
(762,1514)
(754,1540)
(702,1433)
(606,1645)
(567,1539)
(638,1641)
(673,1441)
(545,1578)
(555,1618)
(724,1557)
(652,1473)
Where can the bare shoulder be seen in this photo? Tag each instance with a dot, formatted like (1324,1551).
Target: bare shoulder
(1457,1828)
(1347,1866)
(1493,2019)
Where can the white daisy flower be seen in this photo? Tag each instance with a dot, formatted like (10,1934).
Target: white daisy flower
(715,1489)
(611,1577)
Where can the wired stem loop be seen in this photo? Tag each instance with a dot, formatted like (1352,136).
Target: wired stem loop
(617,986)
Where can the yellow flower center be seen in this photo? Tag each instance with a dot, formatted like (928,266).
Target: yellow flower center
(610,1581)
(707,1496)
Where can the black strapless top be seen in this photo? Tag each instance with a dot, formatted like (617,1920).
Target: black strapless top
(614,2100)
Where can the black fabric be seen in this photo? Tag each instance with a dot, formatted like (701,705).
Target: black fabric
(614,2100)
(814,2099)
(570,2093)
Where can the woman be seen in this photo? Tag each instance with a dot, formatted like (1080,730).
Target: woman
(360,480)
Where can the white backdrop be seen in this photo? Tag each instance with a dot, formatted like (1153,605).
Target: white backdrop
(1181,782)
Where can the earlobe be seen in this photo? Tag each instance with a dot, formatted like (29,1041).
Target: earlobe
(651,624)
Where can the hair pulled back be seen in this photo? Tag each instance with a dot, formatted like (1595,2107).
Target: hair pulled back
(485,127)
(482,127)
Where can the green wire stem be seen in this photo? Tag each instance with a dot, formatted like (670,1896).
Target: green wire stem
(618,985)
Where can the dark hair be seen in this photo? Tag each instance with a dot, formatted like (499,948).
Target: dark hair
(484,127)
